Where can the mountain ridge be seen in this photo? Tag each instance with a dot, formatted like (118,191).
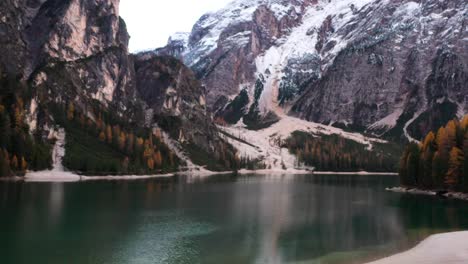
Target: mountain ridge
(391,48)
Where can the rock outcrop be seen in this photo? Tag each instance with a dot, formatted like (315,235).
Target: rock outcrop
(178,103)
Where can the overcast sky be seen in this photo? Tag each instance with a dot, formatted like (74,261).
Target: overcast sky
(151,22)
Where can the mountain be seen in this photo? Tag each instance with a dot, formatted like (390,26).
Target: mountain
(65,64)
(394,69)
(241,90)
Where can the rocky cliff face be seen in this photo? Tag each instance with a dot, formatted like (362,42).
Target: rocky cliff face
(388,67)
(77,51)
(69,50)
(178,104)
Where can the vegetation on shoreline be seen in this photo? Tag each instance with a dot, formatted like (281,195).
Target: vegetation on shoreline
(440,162)
(19,149)
(104,145)
(334,153)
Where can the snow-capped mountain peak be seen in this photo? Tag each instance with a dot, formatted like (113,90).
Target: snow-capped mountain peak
(356,62)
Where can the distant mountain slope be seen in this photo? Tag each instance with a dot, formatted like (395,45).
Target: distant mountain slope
(393,68)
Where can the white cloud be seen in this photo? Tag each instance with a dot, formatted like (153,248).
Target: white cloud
(151,22)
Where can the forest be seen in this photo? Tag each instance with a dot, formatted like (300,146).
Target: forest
(19,150)
(440,161)
(107,145)
(334,153)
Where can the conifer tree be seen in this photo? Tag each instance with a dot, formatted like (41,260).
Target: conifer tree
(465,162)
(455,168)
(109,134)
(4,164)
(150,163)
(24,164)
(102,136)
(425,170)
(451,130)
(158,159)
(14,163)
(71,111)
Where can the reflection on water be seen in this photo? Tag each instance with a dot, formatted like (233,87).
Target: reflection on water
(220,219)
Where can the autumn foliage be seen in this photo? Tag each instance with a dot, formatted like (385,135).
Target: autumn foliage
(440,161)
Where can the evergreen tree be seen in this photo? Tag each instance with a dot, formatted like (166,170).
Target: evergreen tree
(14,163)
(413,165)
(158,159)
(455,168)
(71,111)
(4,164)
(5,128)
(425,169)
(465,162)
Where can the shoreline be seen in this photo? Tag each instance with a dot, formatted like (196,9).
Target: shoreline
(54,176)
(63,176)
(355,173)
(415,191)
(441,248)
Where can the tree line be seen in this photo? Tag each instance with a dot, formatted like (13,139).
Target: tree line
(101,144)
(19,149)
(440,161)
(335,153)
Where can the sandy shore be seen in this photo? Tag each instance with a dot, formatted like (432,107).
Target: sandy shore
(60,176)
(438,249)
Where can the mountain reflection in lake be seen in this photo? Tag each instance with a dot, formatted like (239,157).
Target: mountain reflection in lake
(219,219)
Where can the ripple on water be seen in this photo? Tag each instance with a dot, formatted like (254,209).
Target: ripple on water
(163,237)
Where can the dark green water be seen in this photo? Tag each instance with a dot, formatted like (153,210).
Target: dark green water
(221,219)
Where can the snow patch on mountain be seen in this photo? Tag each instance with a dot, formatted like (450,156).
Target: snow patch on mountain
(300,42)
(235,13)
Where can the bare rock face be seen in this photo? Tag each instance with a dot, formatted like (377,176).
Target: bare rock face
(69,50)
(391,68)
(178,102)
(405,70)
(176,46)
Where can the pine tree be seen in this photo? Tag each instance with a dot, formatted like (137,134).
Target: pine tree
(150,163)
(464,123)
(122,140)
(428,151)
(14,163)
(24,164)
(455,168)
(465,162)
(4,164)
(71,111)
(443,148)
(413,165)
(5,130)
(158,159)
(451,129)
(130,143)
(102,136)
(109,134)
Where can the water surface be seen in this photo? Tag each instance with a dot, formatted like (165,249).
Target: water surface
(220,219)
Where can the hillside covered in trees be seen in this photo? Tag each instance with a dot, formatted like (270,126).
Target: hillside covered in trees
(20,150)
(334,153)
(440,162)
(107,145)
